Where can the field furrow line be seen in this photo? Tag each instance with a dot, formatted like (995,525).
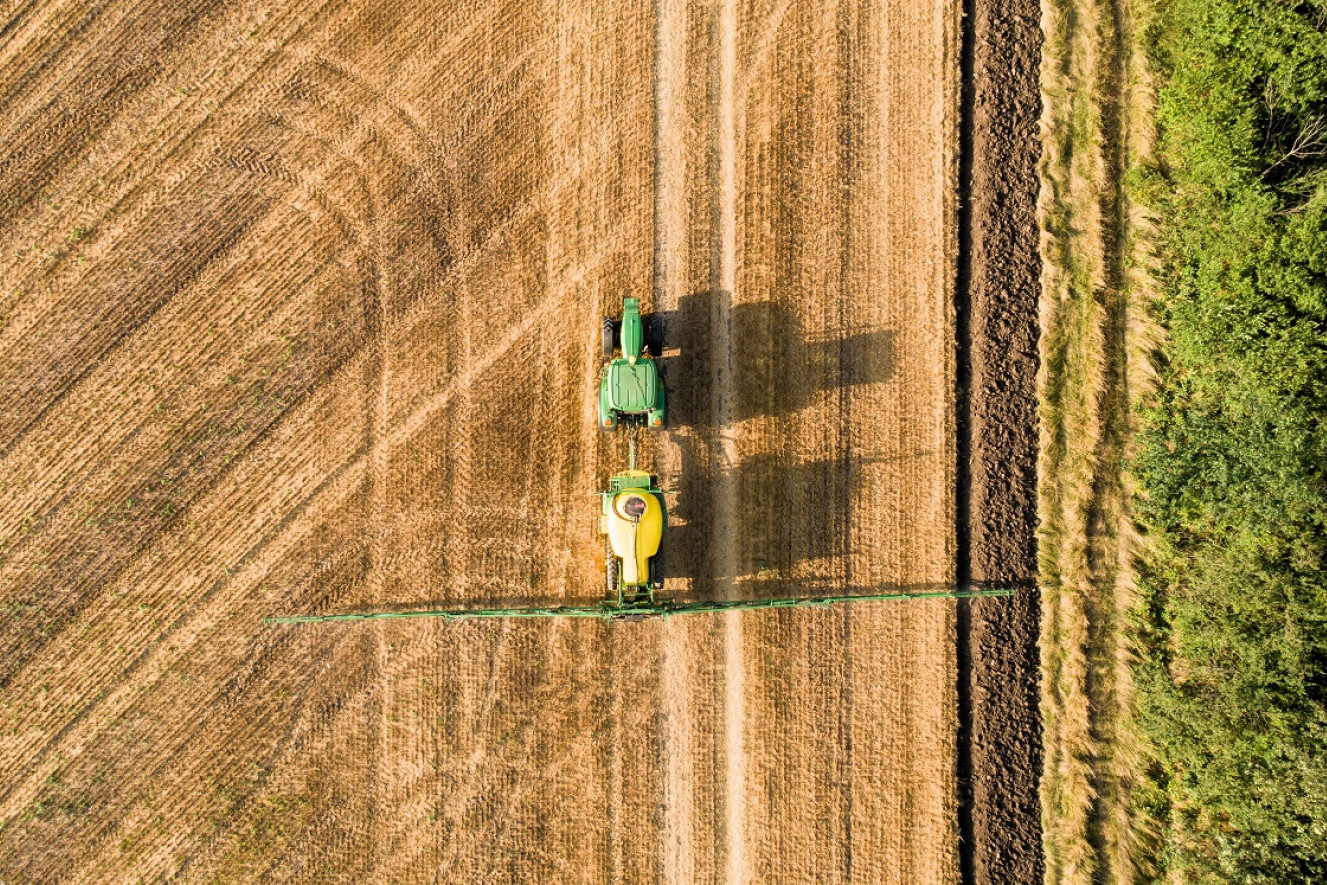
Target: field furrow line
(40,566)
(24,35)
(310,740)
(144,559)
(187,629)
(221,264)
(63,471)
(117,336)
(188,780)
(116,223)
(133,168)
(190,629)
(91,91)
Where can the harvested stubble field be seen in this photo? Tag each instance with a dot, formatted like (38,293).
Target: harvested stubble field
(299,314)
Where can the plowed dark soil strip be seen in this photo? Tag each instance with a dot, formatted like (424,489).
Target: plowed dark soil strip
(1000,746)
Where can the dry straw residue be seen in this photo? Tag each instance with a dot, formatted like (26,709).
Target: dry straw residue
(1096,346)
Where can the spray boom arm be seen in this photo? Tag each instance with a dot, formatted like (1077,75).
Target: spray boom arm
(644,608)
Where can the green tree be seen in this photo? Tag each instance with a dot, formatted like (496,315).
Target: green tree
(1233,630)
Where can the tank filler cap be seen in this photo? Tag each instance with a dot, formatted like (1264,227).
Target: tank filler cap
(633,507)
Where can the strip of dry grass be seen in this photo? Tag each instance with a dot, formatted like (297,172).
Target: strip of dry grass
(1096,346)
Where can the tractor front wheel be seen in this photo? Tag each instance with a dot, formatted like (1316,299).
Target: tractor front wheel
(610,569)
(608,337)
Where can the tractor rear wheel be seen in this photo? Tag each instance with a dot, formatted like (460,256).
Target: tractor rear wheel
(608,336)
(657,571)
(610,569)
(656,337)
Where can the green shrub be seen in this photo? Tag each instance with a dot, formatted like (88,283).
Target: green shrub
(1233,630)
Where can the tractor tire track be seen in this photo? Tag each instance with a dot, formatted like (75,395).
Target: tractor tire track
(682,858)
(25,329)
(335,487)
(32,160)
(106,564)
(726,525)
(352,236)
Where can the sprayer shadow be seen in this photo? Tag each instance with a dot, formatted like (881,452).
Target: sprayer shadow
(760,525)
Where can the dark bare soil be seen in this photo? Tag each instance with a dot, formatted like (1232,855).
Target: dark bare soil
(1003,724)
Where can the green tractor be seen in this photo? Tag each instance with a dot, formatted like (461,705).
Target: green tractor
(631,389)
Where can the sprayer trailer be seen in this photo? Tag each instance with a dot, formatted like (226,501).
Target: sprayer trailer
(633,521)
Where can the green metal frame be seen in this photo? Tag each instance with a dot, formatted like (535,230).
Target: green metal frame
(643,607)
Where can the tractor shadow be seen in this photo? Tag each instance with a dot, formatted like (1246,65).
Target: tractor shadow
(775,367)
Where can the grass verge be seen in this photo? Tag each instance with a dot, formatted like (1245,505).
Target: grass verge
(1096,341)
(1185,701)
